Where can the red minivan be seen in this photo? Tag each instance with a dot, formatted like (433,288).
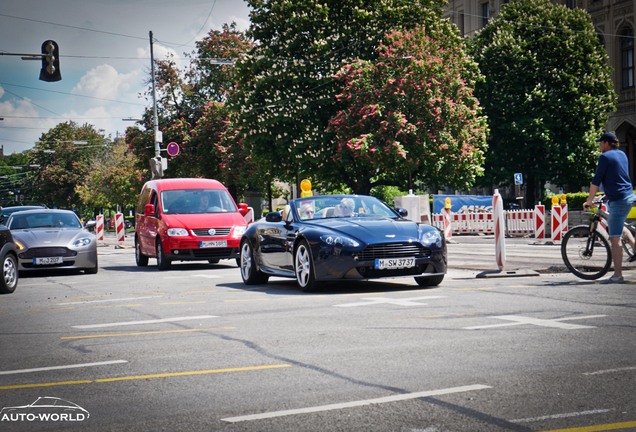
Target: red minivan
(187,219)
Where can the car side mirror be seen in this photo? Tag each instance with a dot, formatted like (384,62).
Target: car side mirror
(273,217)
(243,209)
(402,212)
(149,210)
(90,225)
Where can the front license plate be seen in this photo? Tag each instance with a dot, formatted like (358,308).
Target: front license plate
(213,244)
(394,263)
(48,260)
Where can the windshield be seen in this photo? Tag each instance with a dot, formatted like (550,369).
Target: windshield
(195,201)
(332,206)
(44,220)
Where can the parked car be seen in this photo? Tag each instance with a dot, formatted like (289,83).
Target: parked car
(186,219)
(47,238)
(9,260)
(5,212)
(333,237)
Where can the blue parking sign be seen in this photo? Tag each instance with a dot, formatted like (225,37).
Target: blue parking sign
(518,178)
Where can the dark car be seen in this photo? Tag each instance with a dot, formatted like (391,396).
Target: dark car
(5,212)
(333,237)
(8,258)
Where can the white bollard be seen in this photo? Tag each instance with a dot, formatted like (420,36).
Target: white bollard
(539,221)
(500,222)
(120,229)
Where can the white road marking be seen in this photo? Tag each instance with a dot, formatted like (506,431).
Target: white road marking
(106,301)
(521,320)
(126,323)
(607,371)
(50,368)
(559,416)
(332,407)
(398,302)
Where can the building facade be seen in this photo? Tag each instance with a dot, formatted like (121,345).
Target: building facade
(614,22)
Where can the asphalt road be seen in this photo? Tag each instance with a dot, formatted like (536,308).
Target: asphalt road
(194,349)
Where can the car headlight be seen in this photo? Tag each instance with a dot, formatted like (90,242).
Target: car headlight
(338,240)
(239,231)
(81,242)
(432,237)
(177,232)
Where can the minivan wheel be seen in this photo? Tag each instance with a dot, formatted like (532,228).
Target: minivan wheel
(140,258)
(163,262)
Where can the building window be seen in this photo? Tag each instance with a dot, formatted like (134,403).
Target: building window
(627,58)
(570,4)
(461,23)
(485,14)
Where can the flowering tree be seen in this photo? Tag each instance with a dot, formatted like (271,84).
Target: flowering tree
(410,114)
(286,85)
(547,92)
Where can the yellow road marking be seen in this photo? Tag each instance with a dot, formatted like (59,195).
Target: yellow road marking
(105,335)
(148,376)
(599,428)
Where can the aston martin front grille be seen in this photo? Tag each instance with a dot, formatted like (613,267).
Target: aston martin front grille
(393,250)
(48,252)
(205,232)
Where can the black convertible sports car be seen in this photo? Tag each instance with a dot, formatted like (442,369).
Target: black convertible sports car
(331,237)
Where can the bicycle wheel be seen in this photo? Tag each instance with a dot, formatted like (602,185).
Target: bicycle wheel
(586,256)
(627,248)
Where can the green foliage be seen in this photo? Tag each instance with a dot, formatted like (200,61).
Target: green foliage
(63,163)
(547,92)
(387,193)
(574,200)
(286,90)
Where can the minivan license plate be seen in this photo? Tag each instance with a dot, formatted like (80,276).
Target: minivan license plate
(48,260)
(394,263)
(213,244)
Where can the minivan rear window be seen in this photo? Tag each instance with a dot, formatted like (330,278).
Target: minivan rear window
(196,201)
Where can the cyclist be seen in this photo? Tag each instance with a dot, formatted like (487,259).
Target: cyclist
(612,173)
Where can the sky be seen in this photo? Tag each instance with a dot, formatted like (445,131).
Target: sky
(104,50)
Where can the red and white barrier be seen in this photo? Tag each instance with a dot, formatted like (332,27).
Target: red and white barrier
(99,227)
(559,221)
(539,221)
(120,229)
(500,226)
(249,216)
(448,232)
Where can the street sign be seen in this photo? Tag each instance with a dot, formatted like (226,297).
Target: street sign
(173,149)
(518,179)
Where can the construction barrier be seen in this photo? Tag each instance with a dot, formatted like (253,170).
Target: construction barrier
(249,216)
(446,220)
(559,218)
(517,223)
(120,229)
(539,221)
(99,227)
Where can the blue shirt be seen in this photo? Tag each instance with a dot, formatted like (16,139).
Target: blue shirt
(611,171)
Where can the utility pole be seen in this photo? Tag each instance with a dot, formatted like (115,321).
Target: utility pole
(156,163)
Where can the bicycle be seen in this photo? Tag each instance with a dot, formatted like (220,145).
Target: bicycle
(586,250)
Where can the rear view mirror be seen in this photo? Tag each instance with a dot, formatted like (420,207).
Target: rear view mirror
(243,209)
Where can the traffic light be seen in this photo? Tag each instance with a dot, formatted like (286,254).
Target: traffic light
(50,62)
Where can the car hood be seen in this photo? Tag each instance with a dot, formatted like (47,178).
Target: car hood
(371,229)
(208,220)
(48,236)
